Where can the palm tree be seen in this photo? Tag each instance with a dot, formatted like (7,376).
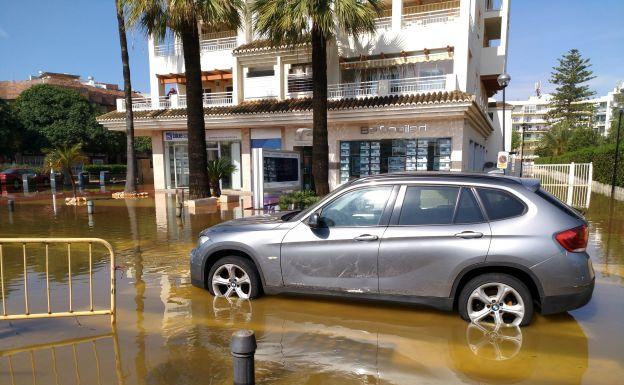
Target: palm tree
(63,158)
(217,170)
(181,18)
(294,21)
(125,62)
(555,141)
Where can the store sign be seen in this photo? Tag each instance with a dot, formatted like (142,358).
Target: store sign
(399,129)
(176,136)
(211,135)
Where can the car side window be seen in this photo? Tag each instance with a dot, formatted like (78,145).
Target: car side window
(500,204)
(361,207)
(428,205)
(468,210)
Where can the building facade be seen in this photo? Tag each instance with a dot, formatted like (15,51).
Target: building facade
(411,96)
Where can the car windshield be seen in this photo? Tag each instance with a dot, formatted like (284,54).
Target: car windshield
(305,212)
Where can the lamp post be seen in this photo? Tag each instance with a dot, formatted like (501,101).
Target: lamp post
(524,126)
(620,107)
(503,81)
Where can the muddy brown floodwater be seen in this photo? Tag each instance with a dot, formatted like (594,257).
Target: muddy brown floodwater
(169,332)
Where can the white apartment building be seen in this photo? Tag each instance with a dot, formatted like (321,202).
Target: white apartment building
(411,96)
(529,116)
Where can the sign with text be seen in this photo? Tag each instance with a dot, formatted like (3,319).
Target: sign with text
(393,129)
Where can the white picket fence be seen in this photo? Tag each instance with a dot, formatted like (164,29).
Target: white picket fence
(571,183)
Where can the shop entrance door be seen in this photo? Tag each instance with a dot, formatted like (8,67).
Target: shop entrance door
(178,158)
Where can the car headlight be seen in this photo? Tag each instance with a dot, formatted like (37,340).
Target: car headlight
(203,239)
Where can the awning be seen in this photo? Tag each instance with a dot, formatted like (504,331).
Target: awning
(394,61)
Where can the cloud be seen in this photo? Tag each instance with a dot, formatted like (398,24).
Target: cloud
(3,34)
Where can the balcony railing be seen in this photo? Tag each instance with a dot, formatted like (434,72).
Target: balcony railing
(299,85)
(212,99)
(388,87)
(422,15)
(205,45)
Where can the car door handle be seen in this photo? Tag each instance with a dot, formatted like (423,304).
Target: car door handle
(366,238)
(469,234)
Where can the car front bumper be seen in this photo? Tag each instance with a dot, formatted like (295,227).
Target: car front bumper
(197,271)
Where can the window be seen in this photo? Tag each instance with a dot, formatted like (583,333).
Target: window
(362,207)
(428,205)
(468,210)
(500,204)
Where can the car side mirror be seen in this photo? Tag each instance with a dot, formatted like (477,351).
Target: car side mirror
(314,221)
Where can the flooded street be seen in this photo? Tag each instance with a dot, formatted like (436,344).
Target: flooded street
(168,332)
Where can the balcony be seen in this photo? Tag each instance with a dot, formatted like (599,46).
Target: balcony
(384,21)
(212,99)
(385,87)
(423,15)
(206,45)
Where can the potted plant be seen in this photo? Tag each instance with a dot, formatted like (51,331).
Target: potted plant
(217,169)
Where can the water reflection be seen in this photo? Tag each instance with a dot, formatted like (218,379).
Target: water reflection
(170,332)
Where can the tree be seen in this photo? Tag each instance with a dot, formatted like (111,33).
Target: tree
(555,141)
(583,137)
(217,170)
(292,22)
(182,18)
(63,158)
(125,62)
(10,131)
(569,76)
(515,140)
(54,116)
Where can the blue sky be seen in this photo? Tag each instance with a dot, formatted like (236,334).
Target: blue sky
(80,36)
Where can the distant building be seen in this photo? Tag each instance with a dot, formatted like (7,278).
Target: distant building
(529,116)
(102,95)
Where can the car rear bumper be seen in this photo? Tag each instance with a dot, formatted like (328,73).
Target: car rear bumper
(566,302)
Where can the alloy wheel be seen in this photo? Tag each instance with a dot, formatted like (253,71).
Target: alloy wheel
(496,303)
(229,280)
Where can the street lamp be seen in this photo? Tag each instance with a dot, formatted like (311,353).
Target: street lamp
(503,81)
(620,107)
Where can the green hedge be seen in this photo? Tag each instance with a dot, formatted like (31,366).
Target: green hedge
(6,166)
(112,168)
(602,157)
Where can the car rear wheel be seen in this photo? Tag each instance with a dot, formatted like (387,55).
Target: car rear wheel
(495,298)
(234,277)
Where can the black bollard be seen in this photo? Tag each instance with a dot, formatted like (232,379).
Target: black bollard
(11,204)
(243,348)
(90,207)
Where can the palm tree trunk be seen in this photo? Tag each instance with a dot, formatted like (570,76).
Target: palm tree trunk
(198,159)
(125,61)
(71,179)
(320,147)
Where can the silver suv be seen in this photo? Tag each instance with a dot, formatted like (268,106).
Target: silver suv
(492,247)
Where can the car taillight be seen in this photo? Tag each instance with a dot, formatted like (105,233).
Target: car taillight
(573,240)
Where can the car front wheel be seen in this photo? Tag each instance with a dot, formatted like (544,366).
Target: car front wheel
(495,298)
(234,277)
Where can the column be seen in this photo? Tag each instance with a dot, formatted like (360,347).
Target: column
(155,87)
(279,76)
(237,81)
(158,160)
(246,158)
(397,14)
